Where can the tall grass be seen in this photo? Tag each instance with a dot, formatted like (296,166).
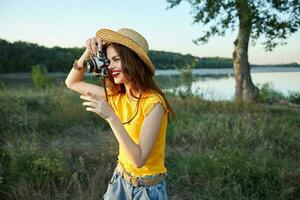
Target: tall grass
(52,149)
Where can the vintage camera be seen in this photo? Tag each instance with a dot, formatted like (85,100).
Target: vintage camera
(97,64)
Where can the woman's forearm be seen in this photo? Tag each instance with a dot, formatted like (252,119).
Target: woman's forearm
(131,148)
(77,75)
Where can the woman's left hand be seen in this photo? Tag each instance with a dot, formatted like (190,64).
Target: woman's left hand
(98,105)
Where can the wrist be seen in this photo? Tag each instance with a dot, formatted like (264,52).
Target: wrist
(112,119)
(76,66)
(86,54)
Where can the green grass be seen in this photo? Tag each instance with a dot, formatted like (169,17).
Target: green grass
(52,149)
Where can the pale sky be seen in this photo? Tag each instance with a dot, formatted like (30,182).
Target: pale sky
(68,23)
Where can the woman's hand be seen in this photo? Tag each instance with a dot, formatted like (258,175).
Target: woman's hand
(98,105)
(93,45)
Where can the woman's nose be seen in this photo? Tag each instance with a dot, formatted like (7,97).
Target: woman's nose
(110,66)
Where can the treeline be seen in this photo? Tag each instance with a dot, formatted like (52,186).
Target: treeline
(21,56)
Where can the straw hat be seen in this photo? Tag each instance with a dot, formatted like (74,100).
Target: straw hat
(129,38)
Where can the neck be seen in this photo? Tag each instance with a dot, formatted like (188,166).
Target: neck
(134,93)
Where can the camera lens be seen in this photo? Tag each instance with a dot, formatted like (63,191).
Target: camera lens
(89,65)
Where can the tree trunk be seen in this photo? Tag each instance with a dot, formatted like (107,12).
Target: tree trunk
(245,90)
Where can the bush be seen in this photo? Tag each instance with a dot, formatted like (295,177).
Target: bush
(186,79)
(40,77)
(269,95)
(2,86)
(294,97)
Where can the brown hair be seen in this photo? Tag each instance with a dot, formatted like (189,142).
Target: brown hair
(135,71)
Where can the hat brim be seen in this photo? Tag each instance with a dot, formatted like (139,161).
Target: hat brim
(108,36)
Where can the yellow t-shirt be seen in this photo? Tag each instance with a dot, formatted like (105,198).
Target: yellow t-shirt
(126,109)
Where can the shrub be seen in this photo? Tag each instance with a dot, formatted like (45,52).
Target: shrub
(2,86)
(269,95)
(40,77)
(294,97)
(186,78)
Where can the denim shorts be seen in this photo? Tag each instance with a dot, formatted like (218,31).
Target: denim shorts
(119,189)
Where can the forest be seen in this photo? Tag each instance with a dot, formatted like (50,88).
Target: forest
(20,56)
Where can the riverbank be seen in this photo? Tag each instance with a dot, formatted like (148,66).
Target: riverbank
(205,71)
(52,149)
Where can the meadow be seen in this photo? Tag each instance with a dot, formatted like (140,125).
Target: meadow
(51,148)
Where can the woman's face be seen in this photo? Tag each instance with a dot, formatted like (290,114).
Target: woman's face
(115,67)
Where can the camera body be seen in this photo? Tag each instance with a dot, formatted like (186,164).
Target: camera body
(97,64)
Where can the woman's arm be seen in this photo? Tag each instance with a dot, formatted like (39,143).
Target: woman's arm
(74,80)
(139,153)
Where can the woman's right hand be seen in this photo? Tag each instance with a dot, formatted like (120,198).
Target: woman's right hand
(93,45)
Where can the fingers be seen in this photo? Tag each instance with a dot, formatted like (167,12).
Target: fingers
(100,45)
(93,45)
(88,45)
(91,97)
(88,103)
(88,98)
(92,110)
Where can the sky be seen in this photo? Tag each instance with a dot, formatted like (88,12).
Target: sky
(69,23)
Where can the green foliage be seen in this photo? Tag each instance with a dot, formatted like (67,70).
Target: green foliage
(224,151)
(49,165)
(29,164)
(20,56)
(52,149)
(58,59)
(45,151)
(267,94)
(229,175)
(273,24)
(40,77)
(294,97)
(2,86)
(187,79)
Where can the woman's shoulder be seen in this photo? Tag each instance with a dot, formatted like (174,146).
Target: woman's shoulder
(150,93)
(150,98)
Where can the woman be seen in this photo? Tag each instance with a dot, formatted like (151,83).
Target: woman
(137,112)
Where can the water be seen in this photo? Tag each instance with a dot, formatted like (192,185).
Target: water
(211,84)
(214,87)
(224,88)
(230,71)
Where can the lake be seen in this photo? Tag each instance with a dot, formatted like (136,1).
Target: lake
(219,84)
(224,88)
(211,84)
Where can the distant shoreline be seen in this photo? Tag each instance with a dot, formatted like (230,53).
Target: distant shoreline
(220,71)
(204,71)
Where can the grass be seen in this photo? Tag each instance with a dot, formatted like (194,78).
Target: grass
(52,149)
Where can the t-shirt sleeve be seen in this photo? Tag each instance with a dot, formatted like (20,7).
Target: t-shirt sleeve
(113,101)
(151,100)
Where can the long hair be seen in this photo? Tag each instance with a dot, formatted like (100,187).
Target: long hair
(135,71)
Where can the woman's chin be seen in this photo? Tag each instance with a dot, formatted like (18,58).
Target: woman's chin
(119,80)
(116,81)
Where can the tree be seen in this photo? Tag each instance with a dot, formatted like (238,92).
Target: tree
(271,20)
